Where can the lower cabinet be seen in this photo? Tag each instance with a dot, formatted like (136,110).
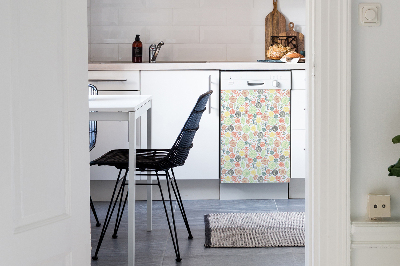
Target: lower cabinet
(298,124)
(174,96)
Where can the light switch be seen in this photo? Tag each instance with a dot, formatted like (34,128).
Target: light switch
(369,14)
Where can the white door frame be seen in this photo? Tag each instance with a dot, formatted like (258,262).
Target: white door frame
(328,140)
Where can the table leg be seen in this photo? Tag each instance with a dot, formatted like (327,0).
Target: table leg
(149,178)
(132,190)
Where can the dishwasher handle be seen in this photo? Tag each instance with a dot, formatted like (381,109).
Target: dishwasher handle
(249,83)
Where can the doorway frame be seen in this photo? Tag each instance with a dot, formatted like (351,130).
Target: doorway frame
(328,162)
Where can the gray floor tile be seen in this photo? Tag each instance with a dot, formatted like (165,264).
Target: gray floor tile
(155,248)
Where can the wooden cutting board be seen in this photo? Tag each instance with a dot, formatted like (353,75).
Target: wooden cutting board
(292,32)
(275,23)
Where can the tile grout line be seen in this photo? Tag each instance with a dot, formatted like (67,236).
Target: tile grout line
(276,205)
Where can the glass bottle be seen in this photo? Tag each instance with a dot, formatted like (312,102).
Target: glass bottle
(137,50)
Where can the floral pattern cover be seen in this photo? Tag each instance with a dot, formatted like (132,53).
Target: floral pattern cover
(255,136)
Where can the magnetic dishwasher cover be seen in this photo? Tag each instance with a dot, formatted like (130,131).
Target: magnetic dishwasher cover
(255,126)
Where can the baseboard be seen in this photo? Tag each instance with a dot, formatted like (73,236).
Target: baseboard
(297,188)
(375,243)
(101,190)
(254,191)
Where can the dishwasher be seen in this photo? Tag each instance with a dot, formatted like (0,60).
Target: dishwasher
(255,126)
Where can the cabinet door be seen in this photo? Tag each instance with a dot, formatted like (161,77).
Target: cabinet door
(298,109)
(298,154)
(174,96)
(298,125)
(298,79)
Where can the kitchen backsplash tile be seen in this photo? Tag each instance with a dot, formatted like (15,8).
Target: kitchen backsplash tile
(258,35)
(251,52)
(119,3)
(115,34)
(172,3)
(105,16)
(199,16)
(239,4)
(103,52)
(293,10)
(125,52)
(226,3)
(246,17)
(172,34)
(224,34)
(214,3)
(192,30)
(145,16)
(199,52)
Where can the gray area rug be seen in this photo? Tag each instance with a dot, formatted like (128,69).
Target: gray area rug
(238,230)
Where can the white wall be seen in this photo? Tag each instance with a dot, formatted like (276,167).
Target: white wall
(375,108)
(375,120)
(193,30)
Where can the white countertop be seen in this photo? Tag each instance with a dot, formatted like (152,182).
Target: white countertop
(196,66)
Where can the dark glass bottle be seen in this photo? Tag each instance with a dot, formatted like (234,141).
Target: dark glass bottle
(137,49)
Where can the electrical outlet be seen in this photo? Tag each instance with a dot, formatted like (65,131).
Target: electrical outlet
(378,206)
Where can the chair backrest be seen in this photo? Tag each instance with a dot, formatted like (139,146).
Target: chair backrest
(92,124)
(180,150)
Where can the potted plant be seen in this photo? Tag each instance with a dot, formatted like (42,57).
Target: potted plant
(394,170)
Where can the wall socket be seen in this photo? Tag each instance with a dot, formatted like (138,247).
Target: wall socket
(378,206)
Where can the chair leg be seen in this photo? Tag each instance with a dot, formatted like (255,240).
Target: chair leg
(120,211)
(94,213)
(174,239)
(180,203)
(109,212)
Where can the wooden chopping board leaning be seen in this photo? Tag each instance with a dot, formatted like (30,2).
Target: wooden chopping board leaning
(299,36)
(275,23)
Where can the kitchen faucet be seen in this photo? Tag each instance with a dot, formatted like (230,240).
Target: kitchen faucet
(154,50)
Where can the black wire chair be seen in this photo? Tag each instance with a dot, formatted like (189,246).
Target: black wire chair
(92,143)
(149,161)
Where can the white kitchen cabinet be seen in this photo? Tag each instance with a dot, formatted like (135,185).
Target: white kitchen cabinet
(174,96)
(298,154)
(115,80)
(298,79)
(298,109)
(112,134)
(298,124)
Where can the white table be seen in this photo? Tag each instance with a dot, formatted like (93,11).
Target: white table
(127,108)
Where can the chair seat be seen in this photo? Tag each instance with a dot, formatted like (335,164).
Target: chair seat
(146,159)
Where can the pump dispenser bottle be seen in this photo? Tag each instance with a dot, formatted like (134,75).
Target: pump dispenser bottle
(137,50)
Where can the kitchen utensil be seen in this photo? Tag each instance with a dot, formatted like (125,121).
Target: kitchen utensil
(300,37)
(275,23)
